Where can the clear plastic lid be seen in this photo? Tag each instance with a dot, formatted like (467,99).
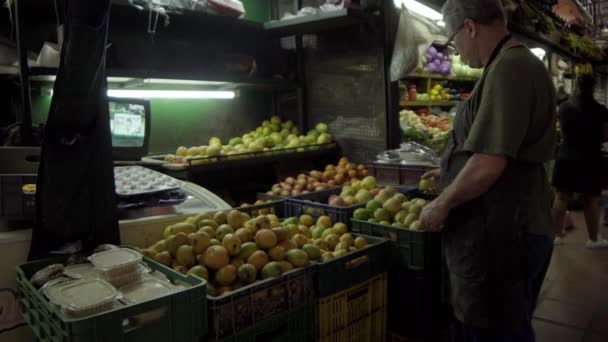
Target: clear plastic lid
(82,295)
(115,259)
(82,271)
(145,290)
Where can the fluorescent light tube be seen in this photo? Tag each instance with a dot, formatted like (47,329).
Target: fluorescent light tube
(184,82)
(420,9)
(171,94)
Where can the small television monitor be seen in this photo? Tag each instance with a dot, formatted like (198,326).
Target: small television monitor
(129,127)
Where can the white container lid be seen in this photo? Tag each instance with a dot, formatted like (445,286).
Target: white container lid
(115,259)
(82,295)
(145,290)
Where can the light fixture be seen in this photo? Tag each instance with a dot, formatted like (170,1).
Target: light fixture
(169,94)
(539,52)
(183,82)
(172,94)
(419,9)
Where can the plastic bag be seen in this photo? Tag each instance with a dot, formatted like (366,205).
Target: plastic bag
(414,35)
(231,8)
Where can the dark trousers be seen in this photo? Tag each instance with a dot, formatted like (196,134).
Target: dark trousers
(539,250)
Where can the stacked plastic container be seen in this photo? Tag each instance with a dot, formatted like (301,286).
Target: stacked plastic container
(119,267)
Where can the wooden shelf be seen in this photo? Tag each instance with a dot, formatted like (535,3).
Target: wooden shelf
(428,104)
(316,23)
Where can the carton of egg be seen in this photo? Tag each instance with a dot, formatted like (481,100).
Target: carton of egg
(137,180)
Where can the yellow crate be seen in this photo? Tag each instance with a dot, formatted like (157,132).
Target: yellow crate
(355,314)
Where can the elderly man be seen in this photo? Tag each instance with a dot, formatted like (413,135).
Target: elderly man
(495,207)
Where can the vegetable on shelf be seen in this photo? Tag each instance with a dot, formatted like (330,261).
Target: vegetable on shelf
(429,130)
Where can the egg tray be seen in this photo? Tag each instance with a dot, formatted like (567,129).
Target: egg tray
(236,311)
(137,180)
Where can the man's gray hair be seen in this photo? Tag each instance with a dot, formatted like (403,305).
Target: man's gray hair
(481,11)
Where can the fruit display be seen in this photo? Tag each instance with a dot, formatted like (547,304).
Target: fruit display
(390,207)
(437,62)
(359,191)
(333,175)
(271,135)
(462,70)
(429,130)
(428,186)
(231,249)
(262,211)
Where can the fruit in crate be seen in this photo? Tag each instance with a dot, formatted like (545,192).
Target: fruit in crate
(231,249)
(272,135)
(358,192)
(334,175)
(390,207)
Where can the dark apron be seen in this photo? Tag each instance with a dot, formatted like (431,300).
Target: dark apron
(484,239)
(75,198)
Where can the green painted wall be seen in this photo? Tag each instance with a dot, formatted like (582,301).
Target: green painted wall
(190,122)
(257,10)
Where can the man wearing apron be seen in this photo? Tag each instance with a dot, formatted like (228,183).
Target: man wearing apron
(494,209)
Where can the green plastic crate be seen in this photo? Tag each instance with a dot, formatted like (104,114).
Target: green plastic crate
(355,267)
(179,317)
(416,250)
(296,325)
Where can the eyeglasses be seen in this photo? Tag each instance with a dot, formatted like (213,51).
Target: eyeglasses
(450,43)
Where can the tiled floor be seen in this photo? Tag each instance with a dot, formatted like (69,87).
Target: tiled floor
(574,301)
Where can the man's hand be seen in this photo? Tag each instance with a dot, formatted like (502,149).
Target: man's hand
(432,174)
(433,216)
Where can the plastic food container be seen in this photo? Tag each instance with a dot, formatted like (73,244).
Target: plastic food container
(142,291)
(116,262)
(82,271)
(127,278)
(83,297)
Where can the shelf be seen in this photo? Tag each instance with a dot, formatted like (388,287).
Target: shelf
(533,38)
(133,75)
(429,104)
(265,159)
(441,77)
(316,23)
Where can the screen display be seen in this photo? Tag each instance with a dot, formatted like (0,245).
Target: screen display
(127,124)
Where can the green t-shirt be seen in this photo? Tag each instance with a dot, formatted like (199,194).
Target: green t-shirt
(515,112)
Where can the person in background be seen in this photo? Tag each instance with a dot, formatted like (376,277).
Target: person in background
(578,168)
(495,203)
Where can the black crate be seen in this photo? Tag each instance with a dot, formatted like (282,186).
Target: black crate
(276,206)
(239,310)
(353,268)
(313,204)
(415,305)
(296,325)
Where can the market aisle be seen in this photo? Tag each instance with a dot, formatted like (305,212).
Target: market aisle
(573,305)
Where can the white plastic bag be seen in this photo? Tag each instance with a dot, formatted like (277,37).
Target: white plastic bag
(414,35)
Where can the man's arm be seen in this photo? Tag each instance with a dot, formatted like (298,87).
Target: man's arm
(479,174)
